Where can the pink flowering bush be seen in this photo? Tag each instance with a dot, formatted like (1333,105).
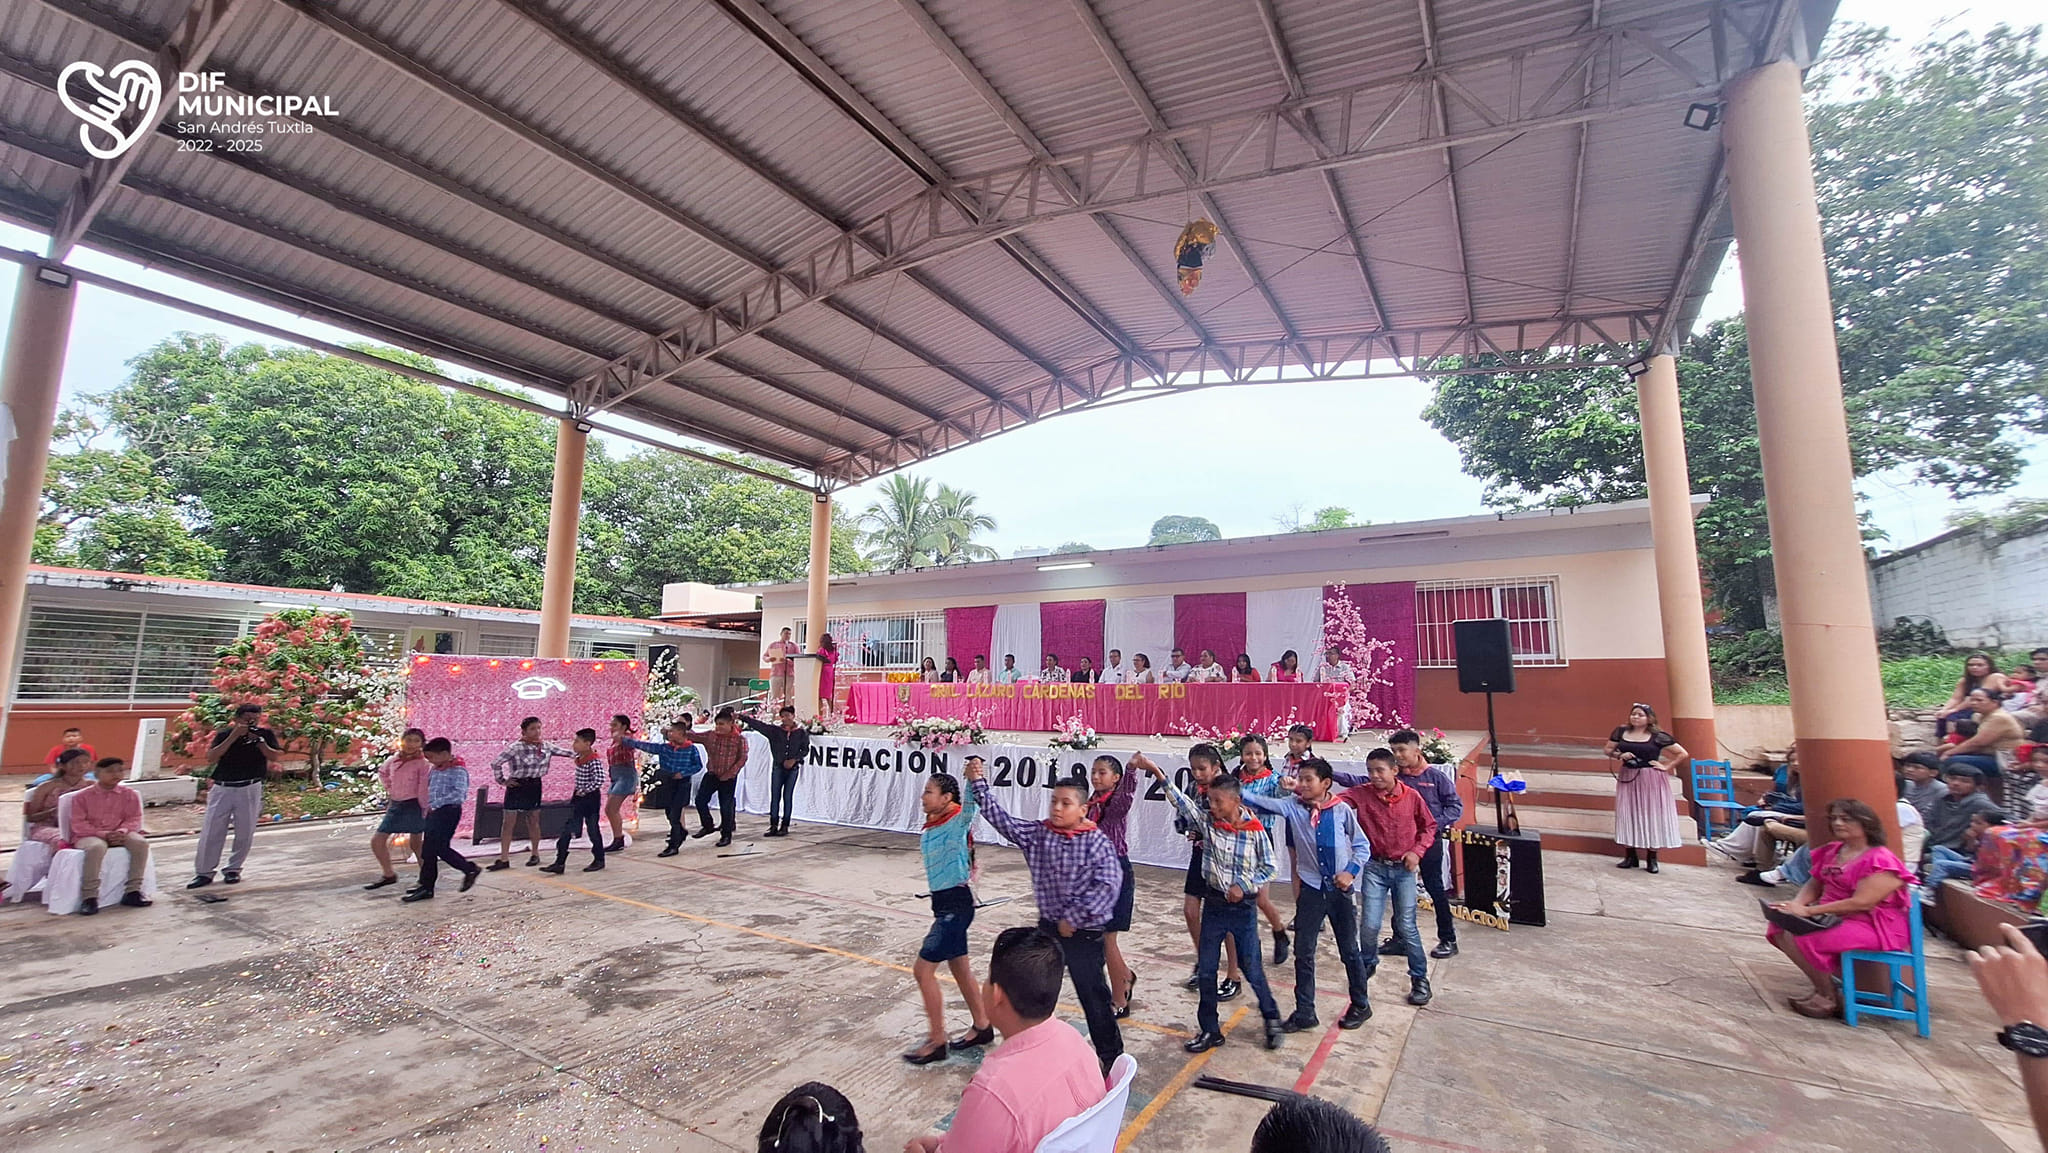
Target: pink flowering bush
(307,669)
(1231,741)
(938,732)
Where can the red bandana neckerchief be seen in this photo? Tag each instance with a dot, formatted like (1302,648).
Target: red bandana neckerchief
(1077,830)
(1098,802)
(1249,824)
(933,822)
(1261,775)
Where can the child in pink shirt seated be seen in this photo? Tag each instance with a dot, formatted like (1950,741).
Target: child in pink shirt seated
(1044,1071)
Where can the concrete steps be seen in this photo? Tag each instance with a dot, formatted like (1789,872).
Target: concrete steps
(1570,799)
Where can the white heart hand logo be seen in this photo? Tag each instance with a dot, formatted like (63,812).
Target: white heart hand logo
(134,85)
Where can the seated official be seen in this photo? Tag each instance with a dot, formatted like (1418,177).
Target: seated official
(1086,674)
(952,672)
(1857,878)
(1008,674)
(1242,672)
(1044,1071)
(928,672)
(1142,672)
(1208,671)
(980,674)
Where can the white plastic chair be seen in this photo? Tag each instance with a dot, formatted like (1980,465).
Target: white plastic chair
(1096,1130)
(67,870)
(31,865)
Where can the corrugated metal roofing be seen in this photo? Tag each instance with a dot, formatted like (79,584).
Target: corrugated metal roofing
(537,188)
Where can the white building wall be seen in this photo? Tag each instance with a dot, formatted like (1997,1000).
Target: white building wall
(1982,589)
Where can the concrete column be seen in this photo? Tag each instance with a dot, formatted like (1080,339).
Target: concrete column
(558,584)
(1678,560)
(30,373)
(1838,709)
(808,672)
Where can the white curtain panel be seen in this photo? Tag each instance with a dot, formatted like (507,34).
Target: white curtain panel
(1015,631)
(1139,625)
(1282,619)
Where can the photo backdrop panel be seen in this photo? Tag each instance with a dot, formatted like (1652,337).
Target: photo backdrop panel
(1015,631)
(969,632)
(1139,625)
(1073,629)
(1209,621)
(1276,620)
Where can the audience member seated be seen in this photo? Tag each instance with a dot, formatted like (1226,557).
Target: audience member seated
(1782,805)
(1948,819)
(1924,785)
(1243,672)
(73,742)
(928,672)
(1799,866)
(108,815)
(40,807)
(1208,672)
(1313,1125)
(1044,1071)
(952,672)
(1959,864)
(2012,860)
(1855,877)
(811,1118)
(1287,668)
(980,674)
(1086,674)
(1990,747)
(1978,673)
(1052,673)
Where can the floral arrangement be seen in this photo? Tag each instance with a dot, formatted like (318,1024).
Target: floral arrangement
(1073,733)
(667,697)
(938,732)
(1371,659)
(1436,748)
(308,669)
(825,722)
(1231,741)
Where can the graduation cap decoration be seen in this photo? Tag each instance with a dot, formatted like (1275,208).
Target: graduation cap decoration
(1191,251)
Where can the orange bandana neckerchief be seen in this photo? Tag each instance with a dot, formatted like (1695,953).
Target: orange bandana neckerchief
(1077,830)
(932,822)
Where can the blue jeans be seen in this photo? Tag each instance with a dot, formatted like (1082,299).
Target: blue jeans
(1384,879)
(781,796)
(1342,910)
(1982,762)
(1239,922)
(1798,868)
(1948,865)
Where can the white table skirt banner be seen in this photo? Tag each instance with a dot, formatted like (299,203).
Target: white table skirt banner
(875,784)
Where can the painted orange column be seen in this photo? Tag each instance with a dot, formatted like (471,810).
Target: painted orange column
(30,373)
(1678,560)
(1838,712)
(558,583)
(808,673)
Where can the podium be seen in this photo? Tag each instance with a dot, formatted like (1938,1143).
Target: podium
(1503,877)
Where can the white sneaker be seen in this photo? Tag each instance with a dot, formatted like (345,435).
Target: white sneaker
(1773,877)
(1721,846)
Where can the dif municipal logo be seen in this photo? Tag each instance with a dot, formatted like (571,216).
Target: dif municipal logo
(119,107)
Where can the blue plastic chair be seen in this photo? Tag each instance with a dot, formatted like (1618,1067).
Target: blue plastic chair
(1713,791)
(1892,1002)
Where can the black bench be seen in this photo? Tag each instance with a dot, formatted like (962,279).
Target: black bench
(490,820)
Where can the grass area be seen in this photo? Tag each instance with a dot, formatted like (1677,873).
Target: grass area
(1909,682)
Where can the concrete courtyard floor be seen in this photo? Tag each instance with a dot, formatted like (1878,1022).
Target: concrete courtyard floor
(666,1004)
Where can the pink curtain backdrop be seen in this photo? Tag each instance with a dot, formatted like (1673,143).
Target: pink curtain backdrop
(970,632)
(1208,621)
(1132,709)
(1388,612)
(1073,629)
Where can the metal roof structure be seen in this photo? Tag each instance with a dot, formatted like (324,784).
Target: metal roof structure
(848,235)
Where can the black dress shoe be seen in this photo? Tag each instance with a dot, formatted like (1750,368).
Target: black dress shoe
(468,881)
(593,866)
(1444,949)
(231,876)
(1203,1042)
(136,901)
(926,1055)
(618,845)
(1755,877)
(668,852)
(1194,981)
(1227,989)
(1279,946)
(1274,1031)
(706,831)
(1355,1016)
(200,882)
(419,895)
(1392,947)
(557,867)
(380,883)
(497,866)
(975,1041)
(412,890)
(1298,1022)
(723,841)
(1418,993)
(89,907)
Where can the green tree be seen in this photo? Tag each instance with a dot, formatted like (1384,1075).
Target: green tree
(106,509)
(1327,517)
(904,527)
(1933,182)
(1182,529)
(1073,546)
(958,526)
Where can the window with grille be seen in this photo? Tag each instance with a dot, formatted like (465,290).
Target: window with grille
(73,654)
(1529,604)
(506,645)
(901,641)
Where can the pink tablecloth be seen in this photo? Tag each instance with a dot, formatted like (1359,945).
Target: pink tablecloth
(1137,709)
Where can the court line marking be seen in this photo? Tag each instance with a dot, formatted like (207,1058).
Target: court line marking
(1314,1068)
(1173,1087)
(802,944)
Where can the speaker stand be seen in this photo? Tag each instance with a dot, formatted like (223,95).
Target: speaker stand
(1500,820)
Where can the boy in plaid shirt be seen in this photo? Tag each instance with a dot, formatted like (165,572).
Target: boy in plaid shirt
(585,804)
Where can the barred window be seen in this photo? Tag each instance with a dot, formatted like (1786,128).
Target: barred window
(114,655)
(901,641)
(506,644)
(1529,605)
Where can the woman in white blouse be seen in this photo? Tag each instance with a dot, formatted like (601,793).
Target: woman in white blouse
(1141,671)
(1208,672)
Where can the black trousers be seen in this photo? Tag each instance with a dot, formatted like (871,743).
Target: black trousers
(782,796)
(585,811)
(1310,910)
(440,845)
(1086,968)
(727,793)
(678,804)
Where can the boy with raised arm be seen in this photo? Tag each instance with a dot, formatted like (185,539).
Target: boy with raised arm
(678,760)
(1237,862)
(1330,851)
(1075,878)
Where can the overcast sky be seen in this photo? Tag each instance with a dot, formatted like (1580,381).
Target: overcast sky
(1268,448)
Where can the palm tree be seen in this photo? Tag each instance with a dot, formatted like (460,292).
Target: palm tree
(903,529)
(958,523)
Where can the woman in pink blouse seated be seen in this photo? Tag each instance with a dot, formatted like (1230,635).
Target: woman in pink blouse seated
(1289,667)
(1244,673)
(1858,879)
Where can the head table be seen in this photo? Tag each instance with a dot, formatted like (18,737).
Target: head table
(1135,709)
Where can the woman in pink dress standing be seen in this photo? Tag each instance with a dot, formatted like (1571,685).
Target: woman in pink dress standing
(1645,812)
(1855,877)
(828,671)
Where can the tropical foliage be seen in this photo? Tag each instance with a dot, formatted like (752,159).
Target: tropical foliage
(308,669)
(914,524)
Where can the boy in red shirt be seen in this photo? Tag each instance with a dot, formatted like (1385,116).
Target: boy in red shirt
(1399,826)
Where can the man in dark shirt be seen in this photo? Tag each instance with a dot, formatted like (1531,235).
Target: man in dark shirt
(1948,818)
(242,755)
(788,744)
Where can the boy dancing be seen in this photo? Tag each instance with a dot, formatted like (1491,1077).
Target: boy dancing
(1074,877)
(1330,853)
(586,802)
(1205,764)
(1237,862)
(678,761)
(447,788)
(1400,830)
(948,864)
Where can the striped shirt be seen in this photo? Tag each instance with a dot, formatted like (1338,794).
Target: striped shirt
(1241,857)
(1074,877)
(525,762)
(948,849)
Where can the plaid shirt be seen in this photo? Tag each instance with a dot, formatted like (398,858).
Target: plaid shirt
(524,762)
(1241,858)
(726,753)
(448,784)
(678,761)
(1074,878)
(1112,814)
(591,774)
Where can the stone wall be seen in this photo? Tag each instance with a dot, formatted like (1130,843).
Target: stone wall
(1983,588)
